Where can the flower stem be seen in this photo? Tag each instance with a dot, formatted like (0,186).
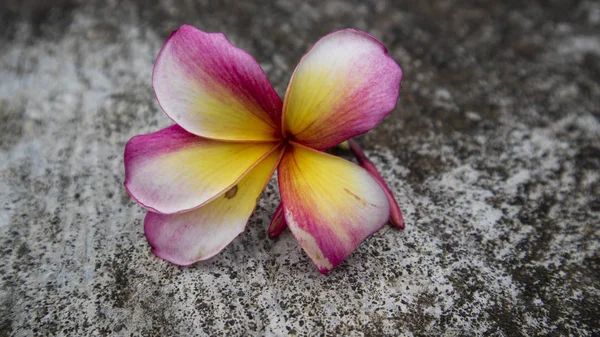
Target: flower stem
(396,218)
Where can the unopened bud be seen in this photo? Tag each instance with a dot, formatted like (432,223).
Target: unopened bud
(278,224)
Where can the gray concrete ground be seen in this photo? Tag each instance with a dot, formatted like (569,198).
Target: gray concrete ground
(493,152)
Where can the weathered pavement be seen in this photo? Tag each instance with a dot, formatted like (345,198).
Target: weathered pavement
(493,152)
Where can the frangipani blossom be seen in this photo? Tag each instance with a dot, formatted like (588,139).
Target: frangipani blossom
(200,179)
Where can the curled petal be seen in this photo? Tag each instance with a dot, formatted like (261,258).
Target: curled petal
(278,224)
(344,86)
(331,205)
(396,218)
(214,89)
(171,170)
(200,234)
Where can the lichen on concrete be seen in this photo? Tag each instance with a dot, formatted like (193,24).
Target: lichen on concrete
(493,152)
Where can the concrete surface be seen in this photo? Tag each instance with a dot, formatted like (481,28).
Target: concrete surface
(493,152)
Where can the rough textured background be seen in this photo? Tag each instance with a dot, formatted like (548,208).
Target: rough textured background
(493,152)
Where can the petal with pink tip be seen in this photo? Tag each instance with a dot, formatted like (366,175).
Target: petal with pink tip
(200,234)
(344,86)
(172,170)
(331,205)
(214,89)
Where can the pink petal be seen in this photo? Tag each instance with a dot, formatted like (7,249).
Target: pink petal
(171,170)
(214,89)
(344,86)
(200,234)
(278,224)
(331,205)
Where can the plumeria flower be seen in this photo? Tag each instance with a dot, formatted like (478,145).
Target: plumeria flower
(200,179)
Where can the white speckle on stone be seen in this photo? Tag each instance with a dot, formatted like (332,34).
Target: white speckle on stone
(443,94)
(516,180)
(592,9)
(472,115)
(575,47)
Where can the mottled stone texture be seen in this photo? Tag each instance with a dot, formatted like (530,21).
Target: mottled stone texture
(493,152)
